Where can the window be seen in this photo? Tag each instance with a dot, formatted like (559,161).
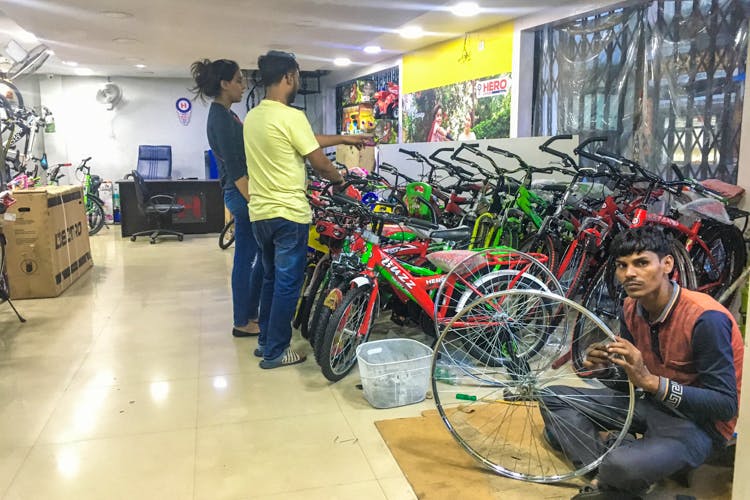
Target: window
(663,80)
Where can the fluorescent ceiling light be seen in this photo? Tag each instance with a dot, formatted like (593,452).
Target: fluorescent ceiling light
(465,9)
(124,40)
(83,71)
(70,63)
(372,49)
(140,66)
(342,61)
(411,32)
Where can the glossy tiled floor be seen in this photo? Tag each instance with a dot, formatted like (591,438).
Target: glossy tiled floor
(130,385)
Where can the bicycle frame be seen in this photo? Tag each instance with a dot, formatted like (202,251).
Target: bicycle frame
(415,283)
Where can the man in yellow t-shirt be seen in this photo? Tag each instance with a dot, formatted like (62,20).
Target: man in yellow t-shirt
(278,138)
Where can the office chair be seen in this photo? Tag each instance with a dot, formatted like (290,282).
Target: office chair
(155,162)
(157,208)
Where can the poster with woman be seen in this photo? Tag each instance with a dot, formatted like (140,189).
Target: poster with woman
(465,111)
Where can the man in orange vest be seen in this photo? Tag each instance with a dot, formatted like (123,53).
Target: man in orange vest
(681,349)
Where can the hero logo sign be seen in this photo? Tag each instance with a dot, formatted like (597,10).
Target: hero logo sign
(403,278)
(493,87)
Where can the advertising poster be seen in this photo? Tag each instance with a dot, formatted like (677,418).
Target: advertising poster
(465,111)
(370,105)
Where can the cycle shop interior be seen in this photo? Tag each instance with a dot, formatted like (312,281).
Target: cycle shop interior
(119,376)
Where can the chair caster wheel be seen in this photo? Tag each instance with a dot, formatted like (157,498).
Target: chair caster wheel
(153,241)
(132,238)
(180,238)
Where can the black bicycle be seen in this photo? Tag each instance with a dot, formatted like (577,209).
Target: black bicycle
(4,285)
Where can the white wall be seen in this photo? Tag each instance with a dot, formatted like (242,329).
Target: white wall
(146,115)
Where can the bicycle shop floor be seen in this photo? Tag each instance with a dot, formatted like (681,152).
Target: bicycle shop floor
(130,385)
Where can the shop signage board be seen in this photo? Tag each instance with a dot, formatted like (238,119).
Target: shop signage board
(464,111)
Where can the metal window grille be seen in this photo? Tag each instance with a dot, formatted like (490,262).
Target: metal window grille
(664,80)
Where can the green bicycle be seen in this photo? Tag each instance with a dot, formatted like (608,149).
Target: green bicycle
(94,205)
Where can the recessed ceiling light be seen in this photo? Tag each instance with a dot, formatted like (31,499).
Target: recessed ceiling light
(140,66)
(372,49)
(83,71)
(116,14)
(70,63)
(411,32)
(465,9)
(342,61)
(124,40)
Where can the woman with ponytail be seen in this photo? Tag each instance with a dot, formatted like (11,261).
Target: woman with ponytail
(222,81)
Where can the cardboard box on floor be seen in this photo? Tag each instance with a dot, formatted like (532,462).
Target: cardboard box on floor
(353,157)
(47,241)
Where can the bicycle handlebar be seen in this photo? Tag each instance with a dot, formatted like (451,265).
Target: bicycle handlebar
(580,148)
(677,172)
(441,161)
(566,158)
(503,152)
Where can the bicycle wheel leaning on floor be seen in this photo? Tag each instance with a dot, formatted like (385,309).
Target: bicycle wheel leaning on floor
(495,412)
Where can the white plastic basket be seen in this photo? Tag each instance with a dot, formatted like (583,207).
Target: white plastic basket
(394,372)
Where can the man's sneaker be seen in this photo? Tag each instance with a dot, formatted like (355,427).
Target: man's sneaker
(258,352)
(287,359)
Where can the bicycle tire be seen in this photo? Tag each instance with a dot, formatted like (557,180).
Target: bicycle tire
(545,245)
(570,279)
(313,282)
(320,313)
(327,307)
(481,273)
(4,284)
(226,237)
(496,415)
(728,258)
(95,216)
(337,349)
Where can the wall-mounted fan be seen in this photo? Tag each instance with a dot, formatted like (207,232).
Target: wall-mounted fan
(26,62)
(109,95)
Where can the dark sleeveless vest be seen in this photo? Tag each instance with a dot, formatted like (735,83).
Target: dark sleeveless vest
(675,343)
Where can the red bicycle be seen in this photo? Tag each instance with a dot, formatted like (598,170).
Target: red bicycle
(460,278)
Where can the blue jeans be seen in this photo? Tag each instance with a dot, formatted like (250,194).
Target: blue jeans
(283,245)
(669,444)
(247,271)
